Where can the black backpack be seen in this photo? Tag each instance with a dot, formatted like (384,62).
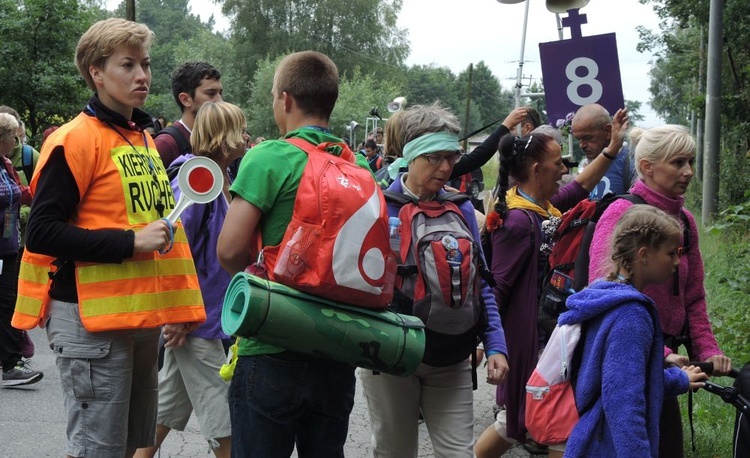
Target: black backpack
(182,143)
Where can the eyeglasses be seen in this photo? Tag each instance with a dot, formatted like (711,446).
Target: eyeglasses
(437,159)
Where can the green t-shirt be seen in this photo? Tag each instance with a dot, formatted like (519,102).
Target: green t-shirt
(268,178)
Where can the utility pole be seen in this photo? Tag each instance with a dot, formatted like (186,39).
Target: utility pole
(700,128)
(713,112)
(468,107)
(130,10)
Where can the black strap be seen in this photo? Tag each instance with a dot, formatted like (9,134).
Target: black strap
(182,143)
(474,363)
(690,419)
(398,199)
(479,130)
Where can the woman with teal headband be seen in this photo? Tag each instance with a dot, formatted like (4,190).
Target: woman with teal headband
(442,392)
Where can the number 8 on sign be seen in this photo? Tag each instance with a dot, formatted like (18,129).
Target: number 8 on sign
(579,72)
(589,79)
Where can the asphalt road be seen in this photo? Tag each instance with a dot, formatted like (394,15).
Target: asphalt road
(32,423)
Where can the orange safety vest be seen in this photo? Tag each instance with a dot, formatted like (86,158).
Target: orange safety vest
(119,189)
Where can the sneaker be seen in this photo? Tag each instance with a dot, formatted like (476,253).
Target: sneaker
(21,375)
(535,448)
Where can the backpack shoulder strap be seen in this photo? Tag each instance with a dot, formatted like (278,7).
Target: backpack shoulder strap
(457,198)
(398,199)
(685,231)
(27,161)
(309,148)
(632,198)
(182,143)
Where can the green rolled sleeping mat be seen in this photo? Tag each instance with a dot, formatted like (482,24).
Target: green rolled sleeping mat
(383,341)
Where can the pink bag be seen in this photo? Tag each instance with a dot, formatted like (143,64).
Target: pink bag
(551,411)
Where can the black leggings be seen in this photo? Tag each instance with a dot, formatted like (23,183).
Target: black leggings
(670,430)
(10,338)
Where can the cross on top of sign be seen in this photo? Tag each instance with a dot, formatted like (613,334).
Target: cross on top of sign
(575,21)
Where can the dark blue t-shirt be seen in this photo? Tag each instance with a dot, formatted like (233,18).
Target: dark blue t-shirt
(619,176)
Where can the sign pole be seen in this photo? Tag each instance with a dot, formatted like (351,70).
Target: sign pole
(519,73)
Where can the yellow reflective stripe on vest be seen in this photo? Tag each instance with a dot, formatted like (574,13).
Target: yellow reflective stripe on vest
(135,269)
(140,302)
(34,273)
(28,305)
(33,281)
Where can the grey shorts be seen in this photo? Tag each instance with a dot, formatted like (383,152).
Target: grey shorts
(190,380)
(109,383)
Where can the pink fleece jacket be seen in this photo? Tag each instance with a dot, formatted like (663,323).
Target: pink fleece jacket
(691,300)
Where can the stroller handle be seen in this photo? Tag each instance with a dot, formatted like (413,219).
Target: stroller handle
(708,368)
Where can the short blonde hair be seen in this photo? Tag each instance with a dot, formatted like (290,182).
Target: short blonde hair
(103,39)
(218,129)
(8,127)
(660,144)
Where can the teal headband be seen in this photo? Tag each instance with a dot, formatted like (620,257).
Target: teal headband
(426,144)
(431,143)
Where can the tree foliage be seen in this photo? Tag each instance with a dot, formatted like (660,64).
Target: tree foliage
(37,45)
(677,90)
(354,33)
(486,94)
(428,83)
(38,38)
(357,94)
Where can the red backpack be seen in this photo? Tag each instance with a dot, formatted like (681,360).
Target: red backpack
(569,258)
(337,243)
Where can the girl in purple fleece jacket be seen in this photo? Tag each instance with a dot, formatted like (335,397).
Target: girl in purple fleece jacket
(189,379)
(664,158)
(621,381)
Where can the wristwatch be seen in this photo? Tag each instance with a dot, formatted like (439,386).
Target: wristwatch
(605,153)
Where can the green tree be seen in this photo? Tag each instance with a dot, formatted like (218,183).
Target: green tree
(674,81)
(173,26)
(357,95)
(634,111)
(486,94)
(427,83)
(37,45)
(354,33)
(260,112)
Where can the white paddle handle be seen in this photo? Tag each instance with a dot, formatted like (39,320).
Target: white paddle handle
(182,203)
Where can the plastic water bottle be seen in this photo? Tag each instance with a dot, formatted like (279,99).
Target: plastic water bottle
(394,235)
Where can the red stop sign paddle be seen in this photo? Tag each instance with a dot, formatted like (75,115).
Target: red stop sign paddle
(200,181)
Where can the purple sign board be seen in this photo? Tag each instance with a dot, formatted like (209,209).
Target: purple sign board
(581,71)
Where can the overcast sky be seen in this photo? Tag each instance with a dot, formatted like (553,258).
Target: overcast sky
(455,33)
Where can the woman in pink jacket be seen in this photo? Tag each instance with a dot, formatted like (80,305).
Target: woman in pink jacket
(664,158)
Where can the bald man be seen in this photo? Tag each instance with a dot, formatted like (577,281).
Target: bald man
(592,127)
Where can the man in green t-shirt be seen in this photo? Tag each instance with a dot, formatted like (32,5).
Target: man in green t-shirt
(280,398)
